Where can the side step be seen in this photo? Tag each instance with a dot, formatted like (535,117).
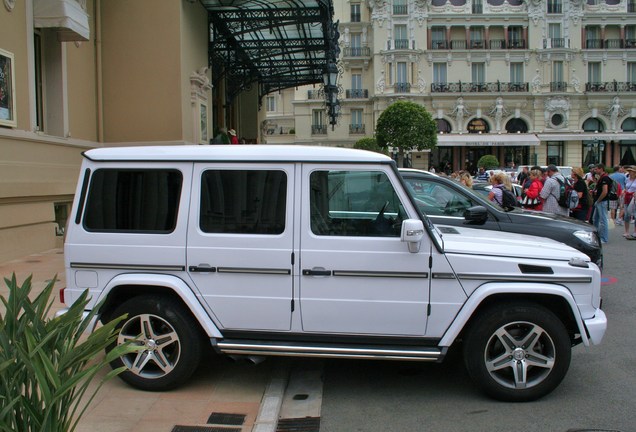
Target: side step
(295,349)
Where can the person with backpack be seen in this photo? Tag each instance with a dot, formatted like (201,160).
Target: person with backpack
(501,195)
(601,200)
(583,209)
(551,192)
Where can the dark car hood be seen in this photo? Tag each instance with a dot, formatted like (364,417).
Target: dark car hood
(543,218)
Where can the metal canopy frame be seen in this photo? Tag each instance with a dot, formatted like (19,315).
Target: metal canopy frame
(278,44)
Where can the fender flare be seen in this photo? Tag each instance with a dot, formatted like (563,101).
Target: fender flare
(493,288)
(173,283)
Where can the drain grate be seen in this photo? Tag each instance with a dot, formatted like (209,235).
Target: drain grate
(203,429)
(306,424)
(226,419)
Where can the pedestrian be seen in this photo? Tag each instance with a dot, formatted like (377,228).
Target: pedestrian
(552,190)
(498,185)
(531,199)
(616,206)
(601,192)
(583,210)
(630,204)
(233,137)
(523,175)
(465,179)
(482,175)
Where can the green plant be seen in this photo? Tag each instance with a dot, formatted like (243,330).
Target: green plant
(406,126)
(47,364)
(488,162)
(371,144)
(292,131)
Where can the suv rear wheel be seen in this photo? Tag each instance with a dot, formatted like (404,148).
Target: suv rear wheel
(170,339)
(517,352)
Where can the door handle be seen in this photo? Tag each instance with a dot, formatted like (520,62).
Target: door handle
(202,269)
(321,272)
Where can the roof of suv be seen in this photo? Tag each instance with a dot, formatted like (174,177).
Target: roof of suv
(243,153)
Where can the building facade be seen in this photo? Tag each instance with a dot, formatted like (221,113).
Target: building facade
(531,82)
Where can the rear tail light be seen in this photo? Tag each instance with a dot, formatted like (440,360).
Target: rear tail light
(62,295)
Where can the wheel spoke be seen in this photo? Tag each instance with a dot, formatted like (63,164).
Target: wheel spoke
(146,326)
(540,360)
(506,339)
(520,370)
(162,361)
(140,362)
(501,362)
(167,339)
(532,337)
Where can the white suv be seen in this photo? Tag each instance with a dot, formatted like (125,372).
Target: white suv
(314,251)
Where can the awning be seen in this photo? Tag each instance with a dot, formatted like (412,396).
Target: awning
(278,44)
(484,140)
(588,136)
(67,16)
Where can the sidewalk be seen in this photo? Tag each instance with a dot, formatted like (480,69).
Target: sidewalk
(220,386)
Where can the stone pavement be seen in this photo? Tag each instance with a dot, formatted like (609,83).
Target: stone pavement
(219,386)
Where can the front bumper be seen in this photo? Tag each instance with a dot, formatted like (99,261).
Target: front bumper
(596,327)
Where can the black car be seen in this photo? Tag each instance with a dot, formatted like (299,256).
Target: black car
(447,202)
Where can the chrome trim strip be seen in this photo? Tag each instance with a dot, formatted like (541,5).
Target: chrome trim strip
(444,276)
(253,270)
(141,267)
(525,278)
(353,273)
(237,348)
(333,355)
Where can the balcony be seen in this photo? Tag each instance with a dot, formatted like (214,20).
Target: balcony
(467,87)
(593,43)
(401,44)
(556,43)
(356,129)
(357,94)
(315,94)
(610,87)
(558,86)
(318,130)
(356,52)
(355,17)
(493,44)
(614,43)
(555,8)
(400,10)
(402,87)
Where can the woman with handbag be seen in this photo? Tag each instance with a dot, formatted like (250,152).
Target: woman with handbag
(583,210)
(630,204)
(531,200)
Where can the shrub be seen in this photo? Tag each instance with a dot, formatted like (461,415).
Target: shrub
(47,364)
(371,144)
(488,162)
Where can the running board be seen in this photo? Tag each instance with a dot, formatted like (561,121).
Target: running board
(372,352)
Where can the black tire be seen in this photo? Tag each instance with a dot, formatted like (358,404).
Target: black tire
(172,339)
(509,341)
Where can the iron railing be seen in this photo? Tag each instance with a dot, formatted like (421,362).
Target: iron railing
(356,129)
(468,87)
(318,129)
(400,10)
(357,94)
(611,86)
(357,52)
(558,86)
(315,94)
(402,87)
(493,44)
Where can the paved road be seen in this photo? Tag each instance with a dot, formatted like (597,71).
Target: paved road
(599,392)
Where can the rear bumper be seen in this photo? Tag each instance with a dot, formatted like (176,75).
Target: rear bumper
(596,327)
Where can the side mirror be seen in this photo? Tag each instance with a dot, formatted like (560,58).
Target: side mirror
(412,233)
(477,215)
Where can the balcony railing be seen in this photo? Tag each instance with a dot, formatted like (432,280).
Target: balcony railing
(467,87)
(356,129)
(556,43)
(315,94)
(555,8)
(593,43)
(318,129)
(400,10)
(355,17)
(613,43)
(357,94)
(558,86)
(357,52)
(401,43)
(493,44)
(402,87)
(631,7)
(611,87)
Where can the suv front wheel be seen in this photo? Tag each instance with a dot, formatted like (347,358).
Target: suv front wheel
(170,344)
(517,352)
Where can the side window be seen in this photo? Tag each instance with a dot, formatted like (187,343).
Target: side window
(243,202)
(133,201)
(436,199)
(354,203)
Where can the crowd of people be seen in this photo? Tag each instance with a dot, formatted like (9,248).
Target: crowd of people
(601,196)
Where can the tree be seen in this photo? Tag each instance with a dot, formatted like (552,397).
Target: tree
(371,144)
(406,126)
(488,162)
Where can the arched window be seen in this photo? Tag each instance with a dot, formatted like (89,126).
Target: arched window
(516,125)
(478,125)
(593,125)
(443,126)
(628,147)
(593,150)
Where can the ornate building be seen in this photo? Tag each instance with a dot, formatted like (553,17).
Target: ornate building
(532,82)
